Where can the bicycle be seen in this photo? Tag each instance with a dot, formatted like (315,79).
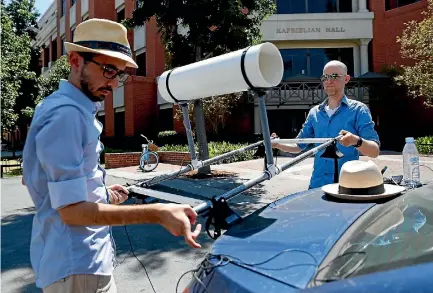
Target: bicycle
(149,160)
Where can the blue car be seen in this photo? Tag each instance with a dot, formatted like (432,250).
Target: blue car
(310,242)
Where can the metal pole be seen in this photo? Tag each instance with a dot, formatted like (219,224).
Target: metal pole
(187,124)
(305,155)
(265,130)
(186,169)
(301,140)
(201,208)
(229,154)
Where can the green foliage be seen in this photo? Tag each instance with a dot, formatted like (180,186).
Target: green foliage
(216,110)
(424,145)
(170,137)
(14,64)
(166,133)
(417,45)
(24,17)
(204,27)
(216,149)
(49,84)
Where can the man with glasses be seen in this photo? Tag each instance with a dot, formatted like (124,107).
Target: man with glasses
(337,115)
(72,249)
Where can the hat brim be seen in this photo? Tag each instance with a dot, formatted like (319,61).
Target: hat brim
(70,47)
(390,190)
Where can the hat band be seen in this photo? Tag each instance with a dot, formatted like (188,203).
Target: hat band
(362,191)
(106,46)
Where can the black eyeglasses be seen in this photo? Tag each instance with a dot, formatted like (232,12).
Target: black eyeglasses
(110,72)
(333,76)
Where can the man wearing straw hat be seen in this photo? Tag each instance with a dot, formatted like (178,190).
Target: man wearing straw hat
(337,115)
(72,249)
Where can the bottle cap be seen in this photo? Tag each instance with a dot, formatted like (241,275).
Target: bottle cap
(410,139)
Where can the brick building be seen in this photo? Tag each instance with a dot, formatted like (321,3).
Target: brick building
(132,108)
(309,33)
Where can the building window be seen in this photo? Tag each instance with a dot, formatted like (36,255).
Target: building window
(54,50)
(119,124)
(63,10)
(311,61)
(63,46)
(121,15)
(73,2)
(313,6)
(141,62)
(392,4)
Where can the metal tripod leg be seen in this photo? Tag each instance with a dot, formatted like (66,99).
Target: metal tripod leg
(187,124)
(266,133)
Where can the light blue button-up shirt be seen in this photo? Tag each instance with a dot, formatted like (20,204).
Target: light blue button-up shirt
(353,116)
(61,167)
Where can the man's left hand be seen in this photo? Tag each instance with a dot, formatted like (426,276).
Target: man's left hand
(118,193)
(348,139)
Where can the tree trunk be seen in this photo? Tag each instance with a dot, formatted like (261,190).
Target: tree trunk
(200,127)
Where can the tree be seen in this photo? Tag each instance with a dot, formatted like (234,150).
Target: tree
(215,113)
(193,30)
(14,63)
(417,45)
(23,15)
(49,84)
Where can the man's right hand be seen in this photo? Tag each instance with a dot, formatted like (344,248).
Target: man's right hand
(177,219)
(274,144)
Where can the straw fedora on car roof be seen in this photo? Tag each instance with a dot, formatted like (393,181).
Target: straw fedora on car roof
(102,36)
(361,180)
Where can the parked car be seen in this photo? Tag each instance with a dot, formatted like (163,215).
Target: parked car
(310,242)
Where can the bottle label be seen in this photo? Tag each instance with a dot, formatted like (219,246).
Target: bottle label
(414,160)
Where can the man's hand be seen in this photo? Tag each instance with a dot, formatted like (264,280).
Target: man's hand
(177,219)
(118,193)
(274,144)
(348,139)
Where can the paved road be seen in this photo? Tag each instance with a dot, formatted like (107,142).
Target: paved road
(165,257)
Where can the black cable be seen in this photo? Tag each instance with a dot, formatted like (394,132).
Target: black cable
(426,167)
(133,253)
(224,259)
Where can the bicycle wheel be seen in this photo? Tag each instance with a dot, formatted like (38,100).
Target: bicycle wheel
(149,161)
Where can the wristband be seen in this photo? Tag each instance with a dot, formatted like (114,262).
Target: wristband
(359,143)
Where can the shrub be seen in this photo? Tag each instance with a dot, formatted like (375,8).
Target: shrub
(216,149)
(170,137)
(425,145)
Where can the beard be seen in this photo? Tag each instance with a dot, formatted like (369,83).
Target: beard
(85,87)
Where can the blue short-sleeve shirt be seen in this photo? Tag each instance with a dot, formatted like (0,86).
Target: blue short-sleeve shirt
(353,116)
(61,167)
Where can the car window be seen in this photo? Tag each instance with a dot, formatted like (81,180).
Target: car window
(401,235)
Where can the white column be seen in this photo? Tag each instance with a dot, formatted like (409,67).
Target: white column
(355,5)
(362,6)
(257,124)
(356,61)
(364,55)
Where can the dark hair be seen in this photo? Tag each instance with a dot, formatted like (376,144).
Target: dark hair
(88,55)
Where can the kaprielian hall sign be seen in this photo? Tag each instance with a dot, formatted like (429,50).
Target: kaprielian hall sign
(306,30)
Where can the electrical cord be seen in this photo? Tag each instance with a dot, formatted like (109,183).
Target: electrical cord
(133,253)
(130,242)
(225,259)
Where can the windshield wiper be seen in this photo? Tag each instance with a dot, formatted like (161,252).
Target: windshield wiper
(341,271)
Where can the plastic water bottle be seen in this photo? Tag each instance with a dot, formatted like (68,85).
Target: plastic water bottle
(411,172)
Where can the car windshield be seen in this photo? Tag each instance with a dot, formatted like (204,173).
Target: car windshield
(391,235)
